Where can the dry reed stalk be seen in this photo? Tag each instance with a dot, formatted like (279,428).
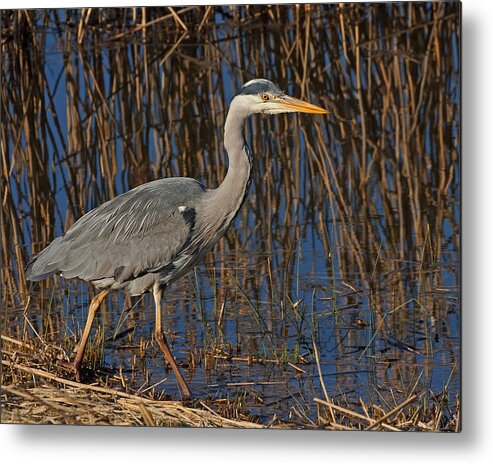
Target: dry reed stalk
(352,414)
(392,412)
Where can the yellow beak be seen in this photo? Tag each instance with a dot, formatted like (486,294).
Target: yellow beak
(300,105)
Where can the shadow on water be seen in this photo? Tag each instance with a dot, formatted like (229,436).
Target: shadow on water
(341,272)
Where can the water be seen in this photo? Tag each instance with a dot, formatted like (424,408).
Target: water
(341,272)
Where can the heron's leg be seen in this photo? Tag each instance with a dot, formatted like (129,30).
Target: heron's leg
(93,309)
(163,344)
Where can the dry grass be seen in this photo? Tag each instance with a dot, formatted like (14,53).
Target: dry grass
(35,396)
(31,395)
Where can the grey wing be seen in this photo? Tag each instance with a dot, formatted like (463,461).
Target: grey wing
(138,232)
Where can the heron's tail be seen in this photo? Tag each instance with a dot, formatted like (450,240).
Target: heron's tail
(44,264)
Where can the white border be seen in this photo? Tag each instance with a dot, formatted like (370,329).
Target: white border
(133,445)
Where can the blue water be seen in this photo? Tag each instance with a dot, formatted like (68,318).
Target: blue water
(384,321)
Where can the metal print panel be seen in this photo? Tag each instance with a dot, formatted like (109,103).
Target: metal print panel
(232,216)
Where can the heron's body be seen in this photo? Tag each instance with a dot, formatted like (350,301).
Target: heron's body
(153,233)
(148,237)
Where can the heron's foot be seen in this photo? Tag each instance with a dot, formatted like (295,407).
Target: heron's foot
(74,368)
(163,345)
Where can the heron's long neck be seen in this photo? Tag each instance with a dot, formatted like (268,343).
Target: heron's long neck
(229,196)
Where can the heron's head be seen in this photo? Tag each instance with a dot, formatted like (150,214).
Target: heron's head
(263,96)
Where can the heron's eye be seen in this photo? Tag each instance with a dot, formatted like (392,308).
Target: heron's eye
(265,97)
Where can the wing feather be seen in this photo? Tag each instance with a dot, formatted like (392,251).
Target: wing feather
(140,231)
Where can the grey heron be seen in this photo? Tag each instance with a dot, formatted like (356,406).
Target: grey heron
(144,239)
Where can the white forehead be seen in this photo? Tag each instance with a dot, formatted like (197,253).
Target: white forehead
(256,81)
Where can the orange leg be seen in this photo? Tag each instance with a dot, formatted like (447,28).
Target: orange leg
(163,344)
(93,309)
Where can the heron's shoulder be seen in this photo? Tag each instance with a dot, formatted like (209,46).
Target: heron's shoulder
(170,187)
(171,191)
